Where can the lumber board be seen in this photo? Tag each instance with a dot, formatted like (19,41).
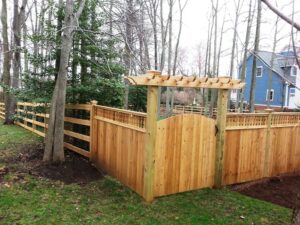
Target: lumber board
(77,149)
(120,124)
(77,135)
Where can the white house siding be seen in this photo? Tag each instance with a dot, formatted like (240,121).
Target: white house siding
(294,102)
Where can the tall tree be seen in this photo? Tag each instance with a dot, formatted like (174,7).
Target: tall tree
(60,17)
(244,64)
(213,99)
(181,9)
(270,75)
(6,66)
(255,52)
(233,48)
(54,149)
(18,21)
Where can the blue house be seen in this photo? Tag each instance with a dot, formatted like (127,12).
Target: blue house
(285,80)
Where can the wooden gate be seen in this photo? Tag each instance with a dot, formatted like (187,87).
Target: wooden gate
(184,154)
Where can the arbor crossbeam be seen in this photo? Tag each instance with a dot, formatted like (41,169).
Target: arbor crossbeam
(154,78)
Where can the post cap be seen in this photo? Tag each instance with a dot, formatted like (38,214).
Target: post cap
(94,102)
(269,110)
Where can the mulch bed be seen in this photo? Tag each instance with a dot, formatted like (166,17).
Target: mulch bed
(283,190)
(75,169)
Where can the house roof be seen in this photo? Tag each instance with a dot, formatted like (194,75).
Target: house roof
(280,62)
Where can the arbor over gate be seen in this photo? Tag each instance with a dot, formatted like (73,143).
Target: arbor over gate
(183,152)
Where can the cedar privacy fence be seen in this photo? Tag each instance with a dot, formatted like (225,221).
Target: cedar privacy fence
(180,153)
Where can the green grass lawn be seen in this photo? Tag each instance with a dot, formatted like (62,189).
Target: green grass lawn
(40,201)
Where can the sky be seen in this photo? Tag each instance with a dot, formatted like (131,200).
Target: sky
(195,26)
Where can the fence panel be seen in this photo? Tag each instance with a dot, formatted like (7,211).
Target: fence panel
(261,145)
(119,145)
(285,150)
(34,117)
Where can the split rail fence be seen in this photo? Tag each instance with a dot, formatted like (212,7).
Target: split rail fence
(256,145)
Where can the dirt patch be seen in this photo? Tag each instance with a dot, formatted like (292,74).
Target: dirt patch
(284,190)
(75,169)
(3,172)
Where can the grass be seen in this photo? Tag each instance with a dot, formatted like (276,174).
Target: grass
(40,201)
(13,136)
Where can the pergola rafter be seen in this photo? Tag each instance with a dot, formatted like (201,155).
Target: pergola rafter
(154,78)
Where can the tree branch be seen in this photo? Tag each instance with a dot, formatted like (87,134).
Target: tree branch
(281,15)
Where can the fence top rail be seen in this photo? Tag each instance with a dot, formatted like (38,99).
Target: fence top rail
(68,106)
(263,114)
(122,111)
(286,113)
(32,104)
(246,114)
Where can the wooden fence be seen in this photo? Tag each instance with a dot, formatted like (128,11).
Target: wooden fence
(119,144)
(261,145)
(34,117)
(256,145)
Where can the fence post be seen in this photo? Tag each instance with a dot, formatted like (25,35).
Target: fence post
(25,114)
(221,129)
(34,116)
(93,131)
(149,154)
(268,143)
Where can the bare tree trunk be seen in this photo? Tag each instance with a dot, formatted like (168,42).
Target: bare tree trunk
(163,30)
(270,85)
(243,71)
(155,35)
(214,70)
(256,48)
(54,149)
(220,46)
(296,212)
(17,22)
(170,50)
(6,66)
(58,37)
(237,14)
(128,45)
(181,8)
(293,38)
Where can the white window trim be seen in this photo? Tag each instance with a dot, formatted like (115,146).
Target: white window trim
(262,71)
(292,71)
(294,92)
(267,95)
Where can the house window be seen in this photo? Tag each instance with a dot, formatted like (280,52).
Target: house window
(292,92)
(270,95)
(259,71)
(294,71)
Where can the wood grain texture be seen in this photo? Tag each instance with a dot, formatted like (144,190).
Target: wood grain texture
(244,155)
(184,154)
(119,152)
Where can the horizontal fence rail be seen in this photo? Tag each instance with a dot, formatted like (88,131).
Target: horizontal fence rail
(34,117)
(2,110)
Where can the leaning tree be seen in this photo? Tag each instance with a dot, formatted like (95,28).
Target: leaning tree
(54,150)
